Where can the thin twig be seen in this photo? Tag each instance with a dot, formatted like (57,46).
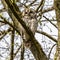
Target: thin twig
(51,51)
(50,21)
(4,33)
(6,22)
(17,51)
(32,2)
(39,5)
(49,36)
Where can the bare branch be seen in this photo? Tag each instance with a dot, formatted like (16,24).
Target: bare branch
(17,51)
(6,22)
(1,24)
(4,33)
(49,36)
(47,10)
(12,45)
(2,10)
(47,20)
(32,2)
(44,11)
(50,21)
(51,51)
(41,3)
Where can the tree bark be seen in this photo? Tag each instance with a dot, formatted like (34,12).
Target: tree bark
(57,10)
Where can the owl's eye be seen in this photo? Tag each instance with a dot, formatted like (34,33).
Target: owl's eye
(31,11)
(25,12)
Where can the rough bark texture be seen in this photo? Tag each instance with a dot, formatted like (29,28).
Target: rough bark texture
(57,9)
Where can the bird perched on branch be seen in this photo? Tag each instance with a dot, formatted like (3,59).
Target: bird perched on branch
(30,18)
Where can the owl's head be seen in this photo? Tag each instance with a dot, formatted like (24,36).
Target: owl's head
(28,12)
(25,11)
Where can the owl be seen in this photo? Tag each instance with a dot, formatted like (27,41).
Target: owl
(30,18)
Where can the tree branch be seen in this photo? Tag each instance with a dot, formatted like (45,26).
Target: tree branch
(49,36)
(6,22)
(32,2)
(50,21)
(47,10)
(39,5)
(4,33)
(17,51)
(12,45)
(51,51)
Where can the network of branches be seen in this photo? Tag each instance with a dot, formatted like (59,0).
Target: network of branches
(12,44)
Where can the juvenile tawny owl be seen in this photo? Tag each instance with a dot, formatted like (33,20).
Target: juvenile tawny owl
(30,18)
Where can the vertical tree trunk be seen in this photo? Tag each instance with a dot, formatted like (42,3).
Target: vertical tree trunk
(57,9)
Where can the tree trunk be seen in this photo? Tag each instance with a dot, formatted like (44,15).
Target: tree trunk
(57,10)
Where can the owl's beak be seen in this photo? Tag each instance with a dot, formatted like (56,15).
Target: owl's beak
(23,14)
